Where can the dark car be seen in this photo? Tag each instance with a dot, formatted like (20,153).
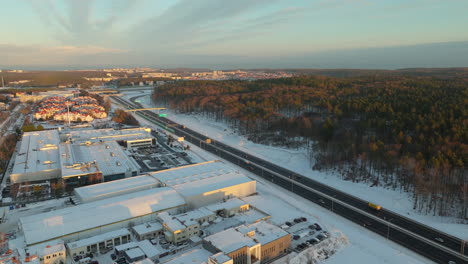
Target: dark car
(95,262)
(113,256)
(288,223)
(320,237)
(318,227)
(312,227)
(296,237)
(303,219)
(297,220)
(300,247)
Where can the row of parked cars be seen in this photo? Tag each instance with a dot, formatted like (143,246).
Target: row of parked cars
(312,241)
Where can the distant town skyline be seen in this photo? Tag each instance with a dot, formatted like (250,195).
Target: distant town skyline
(234,34)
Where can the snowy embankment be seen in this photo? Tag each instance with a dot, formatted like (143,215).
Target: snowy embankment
(298,161)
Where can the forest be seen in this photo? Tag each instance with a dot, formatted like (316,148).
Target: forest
(403,132)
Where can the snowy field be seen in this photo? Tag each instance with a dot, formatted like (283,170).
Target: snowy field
(361,246)
(298,160)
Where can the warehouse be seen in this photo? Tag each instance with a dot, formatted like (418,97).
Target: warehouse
(131,137)
(211,190)
(93,218)
(114,188)
(38,157)
(105,158)
(206,183)
(97,243)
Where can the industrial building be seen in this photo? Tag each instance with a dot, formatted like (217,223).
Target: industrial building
(250,244)
(105,158)
(94,158)
(114,188)
(206,183)
(148,230)
(98,243)
(37,158)
(93,218)
(131,137)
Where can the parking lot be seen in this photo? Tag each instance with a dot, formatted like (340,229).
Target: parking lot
(304,233)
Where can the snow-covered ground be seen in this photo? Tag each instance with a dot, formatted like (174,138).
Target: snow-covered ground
(362,246)
(298,160)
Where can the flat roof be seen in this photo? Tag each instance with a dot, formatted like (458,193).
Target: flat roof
(192,172)
(229,204)
(109,157)
(114,188)
(38,152)
(196,256)
(230,240)
(46,226)
(149,249)
(147,228)
(98,238)
(110,134)
(170,221)
(220,257)
(194,215)
(264,232)
(201,186)
(135,253)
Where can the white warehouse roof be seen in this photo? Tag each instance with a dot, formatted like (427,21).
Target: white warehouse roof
(115,188)
(109,156)
(46,226)
(192,172)
(207,185)
(38,152)
(110,134)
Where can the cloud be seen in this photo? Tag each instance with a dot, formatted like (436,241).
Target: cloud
(35,54)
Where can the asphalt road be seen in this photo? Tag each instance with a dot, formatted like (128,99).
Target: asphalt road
(402,230)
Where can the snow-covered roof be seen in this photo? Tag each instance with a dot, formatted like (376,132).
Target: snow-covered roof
(192,172)
(126,246)
(38,152)
(135,253)
(147,228)
(47,250)
(149,250)
(196,256)
(263,232)
(229,204)
(144,261)
(98,238)
(200,186)
(230,240)
(115,188)
(50,225)
(170,221)
(109,156)
(191,217)
(220,257)
(110,134)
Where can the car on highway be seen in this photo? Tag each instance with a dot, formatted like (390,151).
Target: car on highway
(439,239)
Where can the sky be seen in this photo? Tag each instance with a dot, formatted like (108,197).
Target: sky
(223,34)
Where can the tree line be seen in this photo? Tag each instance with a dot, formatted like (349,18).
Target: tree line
(401,132)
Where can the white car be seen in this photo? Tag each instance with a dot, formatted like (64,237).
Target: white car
(439,239)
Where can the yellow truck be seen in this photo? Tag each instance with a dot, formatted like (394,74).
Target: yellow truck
(374,206)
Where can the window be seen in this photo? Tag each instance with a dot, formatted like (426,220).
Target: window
(54,255)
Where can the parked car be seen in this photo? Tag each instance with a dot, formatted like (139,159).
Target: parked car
(303,219)
(288,223)
(297,220)
(296,237)
(312,227)
(318,227)
(320,237)
(113,256)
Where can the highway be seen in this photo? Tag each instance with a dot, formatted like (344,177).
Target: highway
(402,230)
